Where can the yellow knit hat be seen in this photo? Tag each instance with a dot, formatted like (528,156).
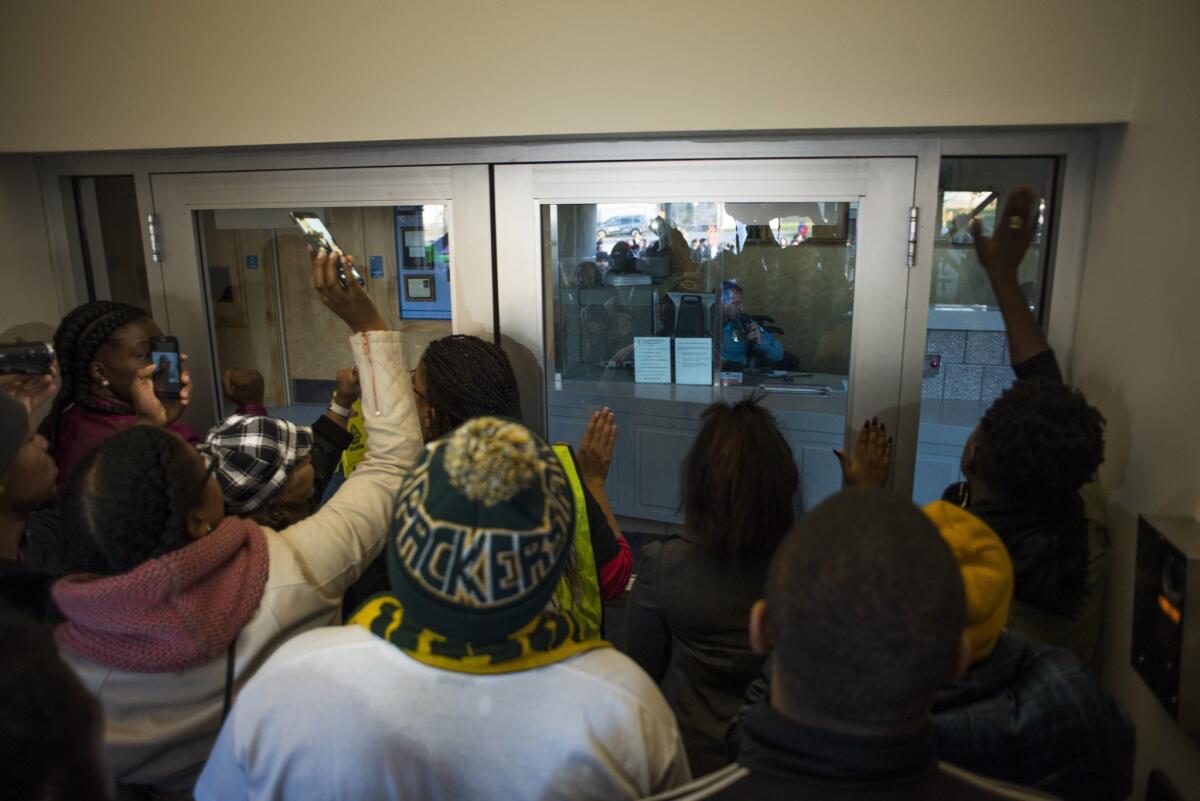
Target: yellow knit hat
(986,571)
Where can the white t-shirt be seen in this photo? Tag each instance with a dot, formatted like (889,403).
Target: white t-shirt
(339,713)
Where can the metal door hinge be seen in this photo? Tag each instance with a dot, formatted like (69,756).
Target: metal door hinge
(912,236)
(155,249)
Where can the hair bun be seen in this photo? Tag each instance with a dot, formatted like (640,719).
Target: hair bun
(491,460)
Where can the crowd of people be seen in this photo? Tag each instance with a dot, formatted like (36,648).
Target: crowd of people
(406,599)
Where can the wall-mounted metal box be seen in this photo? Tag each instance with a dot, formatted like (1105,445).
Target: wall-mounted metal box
(1166,614)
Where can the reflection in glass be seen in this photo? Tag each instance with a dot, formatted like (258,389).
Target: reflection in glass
(975,188)
(769,285)
(263,311)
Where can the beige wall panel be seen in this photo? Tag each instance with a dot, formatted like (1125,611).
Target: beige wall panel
(29,297)
(89,76)
(246,328)
(1137,340)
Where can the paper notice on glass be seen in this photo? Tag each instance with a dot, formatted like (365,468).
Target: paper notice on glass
(652,360)
(693,361)
(414,239)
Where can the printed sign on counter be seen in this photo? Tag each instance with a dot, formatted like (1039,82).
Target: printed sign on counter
(652,360)
(693,361)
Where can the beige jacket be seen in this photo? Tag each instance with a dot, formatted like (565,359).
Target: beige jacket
(160,727)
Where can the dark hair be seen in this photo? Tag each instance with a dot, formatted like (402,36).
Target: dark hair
(80,334)
(278,514)
(741,488)
(468,377)
(867,609)
(50,727)
(130,499)
(1038,441)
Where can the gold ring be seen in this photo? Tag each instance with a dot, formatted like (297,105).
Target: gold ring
(1015,222)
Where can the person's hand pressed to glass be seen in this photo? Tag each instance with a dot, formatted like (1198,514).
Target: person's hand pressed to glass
(1001,255)
(351,303)
(595,451)
(152,410)
(872,458)
(1002,252)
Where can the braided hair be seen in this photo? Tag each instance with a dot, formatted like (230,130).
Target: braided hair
(80,334)
(129,501)
(467,377)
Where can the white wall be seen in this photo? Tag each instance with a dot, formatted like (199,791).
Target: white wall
(86,75)
(1137,339)
(30,305)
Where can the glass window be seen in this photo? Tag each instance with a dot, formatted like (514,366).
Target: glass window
(767,285)
(966,359)
(265,315)
(658,309)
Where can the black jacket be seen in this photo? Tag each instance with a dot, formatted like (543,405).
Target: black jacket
(784,759)
(687,625)
(27,590)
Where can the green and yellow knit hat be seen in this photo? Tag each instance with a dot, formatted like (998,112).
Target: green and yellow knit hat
(481,531)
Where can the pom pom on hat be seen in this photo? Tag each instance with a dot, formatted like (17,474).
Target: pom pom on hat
(490,460)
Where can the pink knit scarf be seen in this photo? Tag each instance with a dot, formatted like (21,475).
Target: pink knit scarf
(171,613)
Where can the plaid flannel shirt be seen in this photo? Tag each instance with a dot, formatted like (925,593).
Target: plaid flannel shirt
(1034,715)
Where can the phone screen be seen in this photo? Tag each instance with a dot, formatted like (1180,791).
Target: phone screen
(319,237)
(164,355)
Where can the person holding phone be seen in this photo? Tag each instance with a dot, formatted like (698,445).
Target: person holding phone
(27,475)
(743,341)
(101,345)
(175,605)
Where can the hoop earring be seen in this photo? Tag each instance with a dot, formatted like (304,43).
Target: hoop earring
(964,494)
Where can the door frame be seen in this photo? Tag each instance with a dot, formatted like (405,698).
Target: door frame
(179,196)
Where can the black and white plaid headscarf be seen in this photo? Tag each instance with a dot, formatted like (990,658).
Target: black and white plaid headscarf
(255,455)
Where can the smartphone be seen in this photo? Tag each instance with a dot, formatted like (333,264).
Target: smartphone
(26,358)
(164,355)
(319,237)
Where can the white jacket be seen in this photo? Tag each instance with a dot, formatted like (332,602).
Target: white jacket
(160,727)
(341,713)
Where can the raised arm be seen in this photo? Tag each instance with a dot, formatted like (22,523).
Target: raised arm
(614,560)
(337,542)
(1001,255)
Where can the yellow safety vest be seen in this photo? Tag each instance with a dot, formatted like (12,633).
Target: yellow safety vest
(588,606)
(356,451)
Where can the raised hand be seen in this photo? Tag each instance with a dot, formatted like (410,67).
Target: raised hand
(351,303)
(594,454)
(243,386)
(872,459)
(1002,252)
(155,411)
(348,389)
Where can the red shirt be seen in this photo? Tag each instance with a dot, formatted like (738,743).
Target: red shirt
(83,429)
